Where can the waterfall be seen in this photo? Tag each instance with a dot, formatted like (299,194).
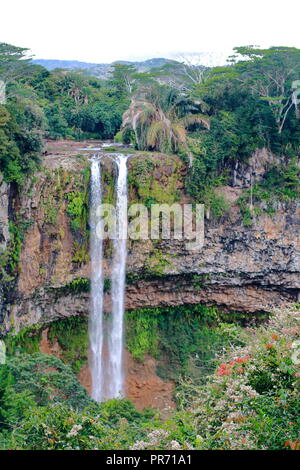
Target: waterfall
(115,340)
(96,314)
(107,369)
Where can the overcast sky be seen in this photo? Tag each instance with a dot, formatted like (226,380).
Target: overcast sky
(108,30)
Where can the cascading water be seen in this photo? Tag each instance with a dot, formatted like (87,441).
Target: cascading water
(115,340)
(96,314)
(107,369)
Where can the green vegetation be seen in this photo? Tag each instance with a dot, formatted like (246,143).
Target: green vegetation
(153,180)
(27,341)
(220,118)
(11,257)
(72,336)
(281,182)
(78,203)
(76,286)
(279,185)
(185,338)
(21,117)
(159,116)
(77,106)
(249,400)
(224,114)
(115,424)
(243,117)
(15,246)
(20,140)
(46,378)
(142,333)
(78,211)
(239,383)
(35,103)
(156,264)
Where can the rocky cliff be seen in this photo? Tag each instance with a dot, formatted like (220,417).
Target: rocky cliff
(249,269)
(45,242)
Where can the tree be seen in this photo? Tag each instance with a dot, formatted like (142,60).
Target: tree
(159,117)
(12,66)
(193,68)
(123,78)
(21,132)
(9,152)
(187,72)
(270,74)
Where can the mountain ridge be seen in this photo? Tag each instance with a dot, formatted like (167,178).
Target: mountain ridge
(101,70)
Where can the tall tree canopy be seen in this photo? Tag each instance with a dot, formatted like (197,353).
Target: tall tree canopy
(12,66)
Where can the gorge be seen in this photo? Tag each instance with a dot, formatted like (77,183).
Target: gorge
(240,269)
(184,334)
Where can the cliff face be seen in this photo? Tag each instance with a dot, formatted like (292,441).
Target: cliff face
(249,269)
(4,208)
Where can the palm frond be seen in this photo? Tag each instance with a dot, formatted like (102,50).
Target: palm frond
(159,118)
(192,119)
(157,132)
(179,132)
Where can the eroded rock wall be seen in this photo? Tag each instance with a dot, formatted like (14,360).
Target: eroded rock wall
(249,269)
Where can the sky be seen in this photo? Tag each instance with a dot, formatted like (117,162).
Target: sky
(108,30)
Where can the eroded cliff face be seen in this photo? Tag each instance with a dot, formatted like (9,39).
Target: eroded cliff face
(248,269)
(4,216)
(239,269)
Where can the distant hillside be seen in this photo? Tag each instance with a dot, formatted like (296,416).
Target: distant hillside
(100,70)
(64,64)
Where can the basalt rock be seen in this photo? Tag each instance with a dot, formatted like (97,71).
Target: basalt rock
(248,269)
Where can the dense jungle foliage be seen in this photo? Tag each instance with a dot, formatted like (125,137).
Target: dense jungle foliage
(213,117)
(37,104)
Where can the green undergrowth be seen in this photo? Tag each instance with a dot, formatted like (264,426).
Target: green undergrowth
(27,341)
(71,334)
(152,181)
(78,211)
(184,339)
(156,263)
(78,203)
(108,185)
(279,185)
(78,285)
(45,378)
(249,401)
(72,337)
(10,257)
(43,406)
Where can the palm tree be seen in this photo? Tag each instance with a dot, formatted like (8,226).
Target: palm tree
(160,117)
